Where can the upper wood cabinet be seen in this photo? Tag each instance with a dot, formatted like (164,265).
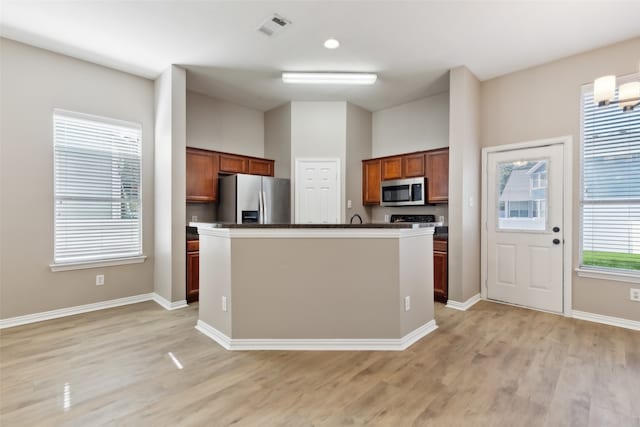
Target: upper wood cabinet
(433,165)
(391,168)
(203,167)
(371,182)
(437,165)
(231,163)
(202,175)
(261,167)
(413,165)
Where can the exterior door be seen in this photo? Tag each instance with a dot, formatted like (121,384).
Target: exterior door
(524,227)
(317,192)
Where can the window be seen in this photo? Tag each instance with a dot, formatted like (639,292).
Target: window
(610,205)
(522,190)
(98,209)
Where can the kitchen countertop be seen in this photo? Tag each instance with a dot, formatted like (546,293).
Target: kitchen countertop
(330,226)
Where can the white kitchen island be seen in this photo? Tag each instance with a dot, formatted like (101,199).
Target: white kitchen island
(316,287)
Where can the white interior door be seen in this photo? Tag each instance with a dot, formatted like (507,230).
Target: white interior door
(317,198)
(524,227)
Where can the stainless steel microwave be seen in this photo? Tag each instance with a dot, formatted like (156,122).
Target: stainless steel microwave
(403,192)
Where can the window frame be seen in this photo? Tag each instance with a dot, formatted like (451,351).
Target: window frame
(106,261)
(593,271)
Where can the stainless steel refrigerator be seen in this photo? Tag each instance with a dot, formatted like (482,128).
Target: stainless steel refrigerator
(254,199)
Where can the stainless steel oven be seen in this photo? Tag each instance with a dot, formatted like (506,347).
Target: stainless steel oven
(403,192)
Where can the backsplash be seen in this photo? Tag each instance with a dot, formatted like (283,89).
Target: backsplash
(378,212)
(206,212)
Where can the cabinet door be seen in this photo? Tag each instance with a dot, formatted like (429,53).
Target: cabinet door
(233,164)
(261,167)
(202,176)
(413,165)
(440,286)
(193,276)
(371,182)
(392,168)
(438,176)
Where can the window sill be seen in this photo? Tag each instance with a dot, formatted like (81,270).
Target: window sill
(608,275)
(95,264)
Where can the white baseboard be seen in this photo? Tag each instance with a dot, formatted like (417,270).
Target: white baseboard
(607,320)
(70,311)
(382,344)
(463,306)
(79,309)
(168,305)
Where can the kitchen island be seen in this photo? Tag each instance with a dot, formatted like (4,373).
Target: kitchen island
(316,287)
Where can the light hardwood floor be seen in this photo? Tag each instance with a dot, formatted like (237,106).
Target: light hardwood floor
(494,365)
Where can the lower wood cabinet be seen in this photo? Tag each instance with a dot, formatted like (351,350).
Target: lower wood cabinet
(440,271)
(193,270)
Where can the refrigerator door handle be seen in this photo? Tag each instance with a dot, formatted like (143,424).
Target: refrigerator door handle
(264,208)
(260,208)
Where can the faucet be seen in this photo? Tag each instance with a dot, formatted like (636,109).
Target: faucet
(354,216)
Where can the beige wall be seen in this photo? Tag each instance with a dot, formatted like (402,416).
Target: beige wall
(277,139)
(544,102)
(464,185)
(33,82)
(170,176)
(213,124)
(414,126)
(358,142)
(318,130)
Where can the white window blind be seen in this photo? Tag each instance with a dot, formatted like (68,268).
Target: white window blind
(611,187)
(98,209)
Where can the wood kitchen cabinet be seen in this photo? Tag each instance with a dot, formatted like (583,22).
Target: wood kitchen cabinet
(391,168)
(440,271)
(193,270)
(371,182)
(433,165)
(202,176)
(413,165)
(261,167)
(437,173)
(231,163)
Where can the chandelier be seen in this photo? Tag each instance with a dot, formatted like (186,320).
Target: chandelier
(604,92)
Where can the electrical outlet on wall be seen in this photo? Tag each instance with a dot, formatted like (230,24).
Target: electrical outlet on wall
(407,303)
(194,218)
(635,295)
(224,303)
(99,279)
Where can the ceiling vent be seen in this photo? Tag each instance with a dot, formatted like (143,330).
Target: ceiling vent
(274,25)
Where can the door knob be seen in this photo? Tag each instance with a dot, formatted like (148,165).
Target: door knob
(556,241)
(556,229)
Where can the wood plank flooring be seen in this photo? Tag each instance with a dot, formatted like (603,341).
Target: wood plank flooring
(494,365)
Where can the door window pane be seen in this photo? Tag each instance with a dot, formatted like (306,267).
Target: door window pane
(522,195)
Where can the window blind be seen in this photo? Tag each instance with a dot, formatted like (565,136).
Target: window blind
(97,185)
(611,186)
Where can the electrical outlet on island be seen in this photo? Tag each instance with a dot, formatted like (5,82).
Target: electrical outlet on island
(635,295)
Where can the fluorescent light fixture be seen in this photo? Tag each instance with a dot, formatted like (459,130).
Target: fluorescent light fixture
(330,78)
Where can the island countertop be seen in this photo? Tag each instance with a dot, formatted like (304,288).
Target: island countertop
(384,225)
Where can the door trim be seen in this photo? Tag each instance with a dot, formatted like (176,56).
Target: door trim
(567,220)
(294,191)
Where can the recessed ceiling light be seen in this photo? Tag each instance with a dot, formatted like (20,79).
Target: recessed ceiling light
(330,78)
(332,44)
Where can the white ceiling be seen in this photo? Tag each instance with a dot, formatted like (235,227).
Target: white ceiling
(410,44)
